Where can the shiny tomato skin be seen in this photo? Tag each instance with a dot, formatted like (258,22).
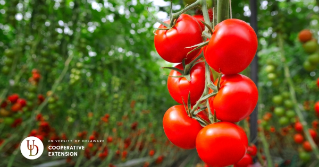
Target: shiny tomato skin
(298,127)
(317,108)
(232,47)
(179,128)
(171,44)
(200,18)
(298,138)
(245,161)
(179,88)
(236,99)
(252,150)
(221,144)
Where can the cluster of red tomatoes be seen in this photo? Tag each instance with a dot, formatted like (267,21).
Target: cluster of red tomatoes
(229,51)
(310,46)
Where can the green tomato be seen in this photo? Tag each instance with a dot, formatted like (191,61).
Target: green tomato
(288,103)
(9,53)
(51,106)
(275,83)
(291,113)
(279,111)
(272,76)
(293,120)
(5,70)
(304,156)
(308,66)
(285,95)
(270,68)
(271,62)
(283,120)
(314,59)
(8,120)
(310,46)
(8,61)
(277,99)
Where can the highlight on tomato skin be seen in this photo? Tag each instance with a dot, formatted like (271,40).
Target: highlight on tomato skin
(180,88)
(216,136)
(231,103)
(172,44)
(225,52)
(179,128)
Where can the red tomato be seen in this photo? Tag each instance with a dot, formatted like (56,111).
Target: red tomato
(244,162)
(318,82)
(200,18)
(236,98)
(13,98)
(22,102)
(313,133)
(317,108)
(252,150)
(298,138)
(315,124)
(179,88)
(171,44)
(305,35)
(16,107)
(221,144)
(298,127)
(180,129)
(151,153)
(306,145)
(232,46)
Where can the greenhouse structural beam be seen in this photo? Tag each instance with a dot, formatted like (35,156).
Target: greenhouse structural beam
(254,73)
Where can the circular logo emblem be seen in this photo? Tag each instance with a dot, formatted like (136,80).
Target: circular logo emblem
(31,147)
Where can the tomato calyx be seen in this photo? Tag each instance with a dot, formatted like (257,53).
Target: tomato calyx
(187,68)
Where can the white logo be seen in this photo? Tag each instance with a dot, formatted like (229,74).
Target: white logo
(31,147)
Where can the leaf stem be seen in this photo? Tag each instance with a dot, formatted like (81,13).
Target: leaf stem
(222,10)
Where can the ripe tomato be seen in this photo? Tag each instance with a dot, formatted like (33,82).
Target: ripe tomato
(232,46)
(298,127)
(313,133)
(13,98)
(305,35)
(221,144)
(22,102)
(179,88)
(317,108)
(236,98)
(318,82)
(16,107)
(252,150)
(298,138)
(179,128)
(200,18)
(244,162)
(306,145)
(171,44)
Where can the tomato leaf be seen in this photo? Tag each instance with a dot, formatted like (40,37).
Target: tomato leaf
(208,96)
(175,69)
(199,110)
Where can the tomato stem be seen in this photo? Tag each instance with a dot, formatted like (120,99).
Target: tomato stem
(175,16)
(222,10)
(294,99)
(206,16)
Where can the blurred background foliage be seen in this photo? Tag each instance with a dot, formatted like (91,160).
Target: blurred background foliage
(97,57)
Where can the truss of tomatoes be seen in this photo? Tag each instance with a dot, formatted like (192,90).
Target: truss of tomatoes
(229,51)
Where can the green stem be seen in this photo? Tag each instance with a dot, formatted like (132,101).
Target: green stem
(222,10)
(205,14)
(294,99)
(175,16)
(266,148)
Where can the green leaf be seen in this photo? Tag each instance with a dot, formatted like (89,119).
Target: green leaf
(175,69)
